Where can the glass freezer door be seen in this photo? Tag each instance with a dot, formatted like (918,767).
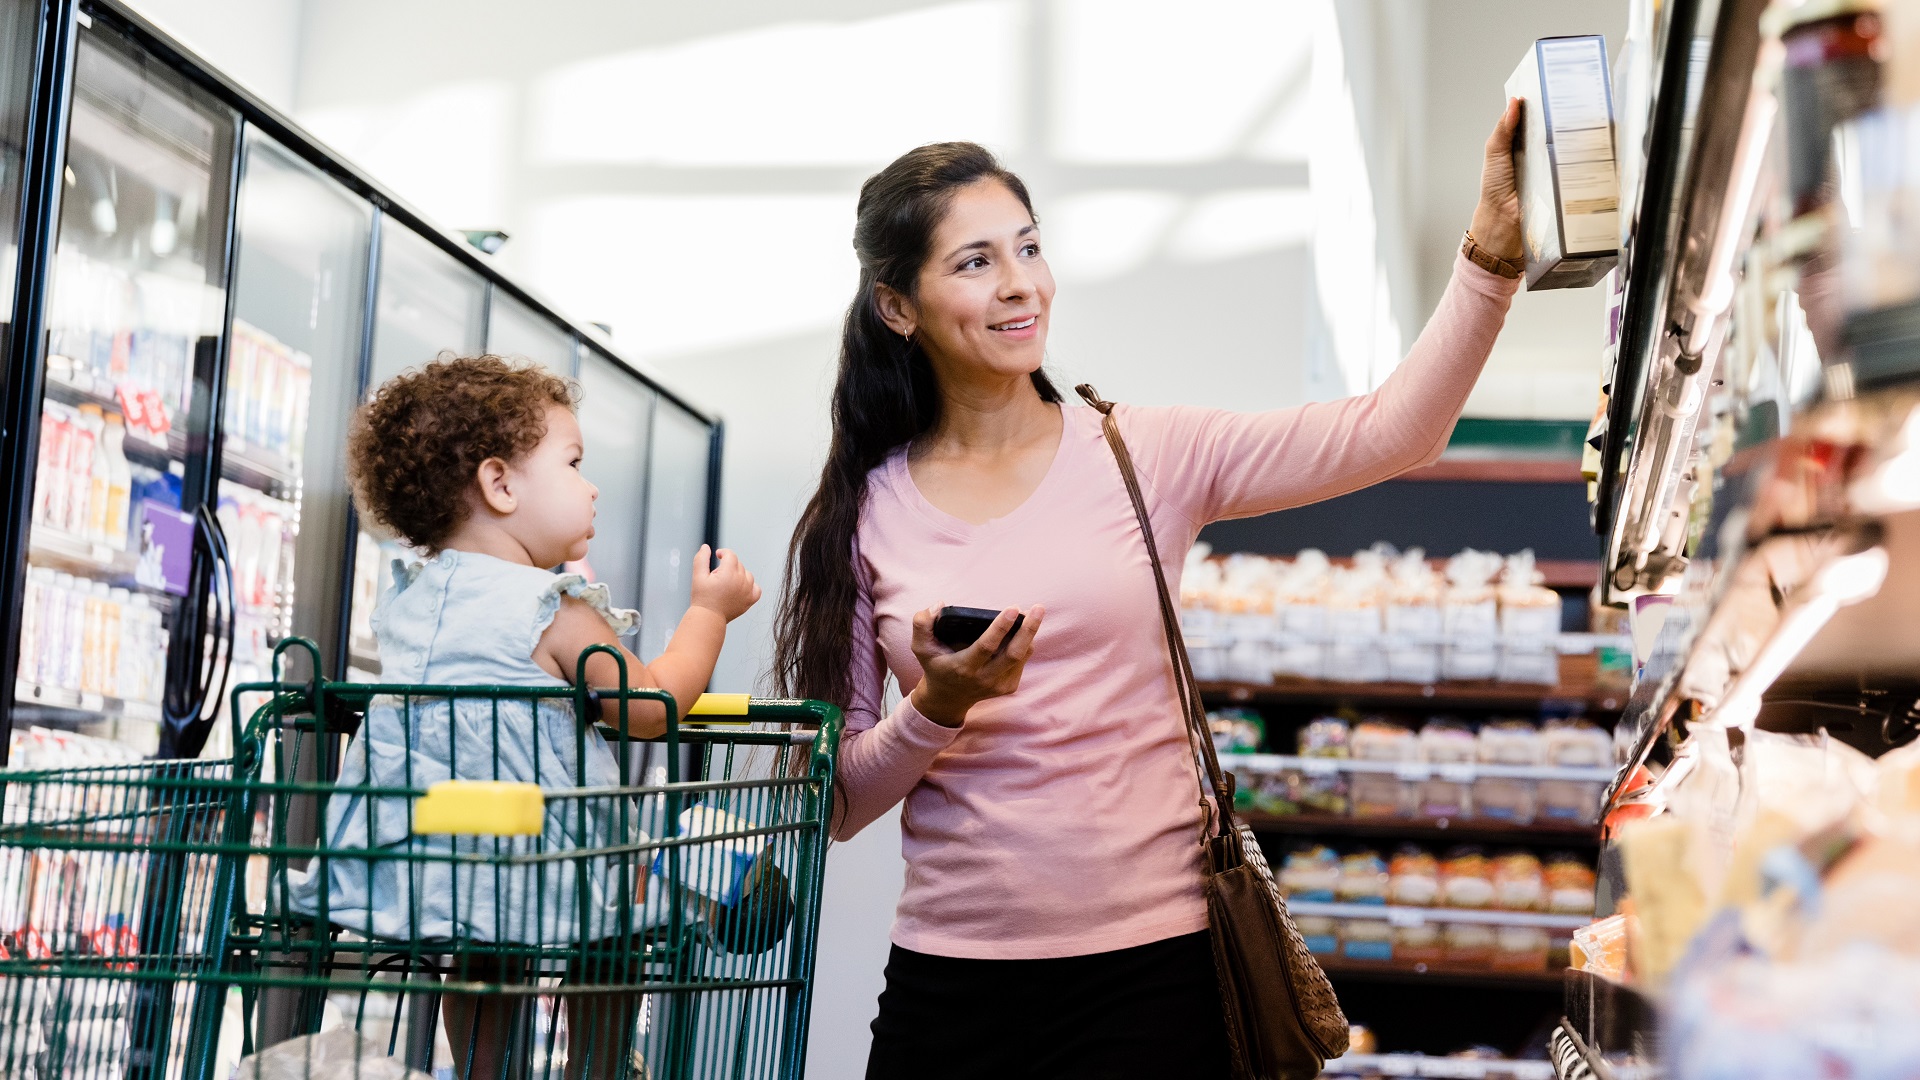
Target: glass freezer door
(676,521)
(616,414)
(135,312)
(427,304)
(293,372)
(516,331)
(18,31)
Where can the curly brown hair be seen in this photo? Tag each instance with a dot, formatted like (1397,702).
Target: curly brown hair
(416,445)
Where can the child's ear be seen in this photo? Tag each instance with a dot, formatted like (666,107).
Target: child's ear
(496,491)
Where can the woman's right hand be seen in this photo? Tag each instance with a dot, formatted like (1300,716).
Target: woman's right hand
(952,682)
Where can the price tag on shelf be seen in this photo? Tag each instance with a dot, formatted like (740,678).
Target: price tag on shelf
(1406,918)
(92,702)
(141,710)
(1319,767)
(101,554)
(1458,772)
(1412,770)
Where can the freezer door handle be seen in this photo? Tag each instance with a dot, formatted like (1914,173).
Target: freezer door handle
(188,721)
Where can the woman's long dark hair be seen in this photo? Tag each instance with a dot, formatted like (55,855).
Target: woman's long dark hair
(884,396)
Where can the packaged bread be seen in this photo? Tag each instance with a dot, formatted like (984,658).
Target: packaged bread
(1419,943)
(1529,612)
(1505,798)
(1413,878)
(1467,944)
(1519,884)
(1470,608)
(1466,879)
(1310,873)
(1383,794)
(1363,879)
(1414,592)
(1570,885)
(1447,793)
(1519,948)
(1325,790)
(1366,939)
(1320,932)
(1574,744)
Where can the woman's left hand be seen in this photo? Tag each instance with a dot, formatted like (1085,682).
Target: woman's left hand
(1496,221)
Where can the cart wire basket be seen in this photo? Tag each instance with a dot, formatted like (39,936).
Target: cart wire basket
(406,881)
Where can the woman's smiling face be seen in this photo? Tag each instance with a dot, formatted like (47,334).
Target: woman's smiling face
(985,294)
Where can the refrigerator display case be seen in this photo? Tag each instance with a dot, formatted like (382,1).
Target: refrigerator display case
(205,293)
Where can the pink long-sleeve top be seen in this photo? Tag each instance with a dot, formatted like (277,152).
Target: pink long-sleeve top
(1064,819)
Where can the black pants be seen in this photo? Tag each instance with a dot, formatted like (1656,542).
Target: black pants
(1152,1011)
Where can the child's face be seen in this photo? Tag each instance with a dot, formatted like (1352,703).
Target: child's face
(553,518)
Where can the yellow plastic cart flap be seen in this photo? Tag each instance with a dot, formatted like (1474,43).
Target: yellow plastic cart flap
(480,808)
(711,706)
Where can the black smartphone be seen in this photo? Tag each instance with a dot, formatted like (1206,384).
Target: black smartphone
(959,627)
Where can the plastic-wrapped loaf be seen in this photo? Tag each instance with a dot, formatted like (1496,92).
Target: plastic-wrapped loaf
(1355,621)
(1200,615)
(1506,798)
(1470,617)
(1246,609)
(1575,744)
(1529,611)
(1448,793)
(1383,794)
(1300,610)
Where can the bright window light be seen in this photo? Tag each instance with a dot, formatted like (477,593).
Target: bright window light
(1149,81)
(444,150)
(1105,234)
(684,273)
(1237,223)
(853,93)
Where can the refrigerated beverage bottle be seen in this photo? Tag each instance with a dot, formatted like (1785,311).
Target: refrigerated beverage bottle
(50,472)
(80,469)
(53,623)
(119,482)
(113,640)
(136,645)
(99,475)
(31,625)
(74,608)
(91,628)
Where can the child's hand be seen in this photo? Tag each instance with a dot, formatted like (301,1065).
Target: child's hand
(727,590)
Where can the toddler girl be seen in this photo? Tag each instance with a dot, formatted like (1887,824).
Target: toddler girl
(475,462)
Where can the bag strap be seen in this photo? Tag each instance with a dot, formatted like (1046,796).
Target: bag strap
(1206,761)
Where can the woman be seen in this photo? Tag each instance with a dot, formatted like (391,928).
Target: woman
(1052,922)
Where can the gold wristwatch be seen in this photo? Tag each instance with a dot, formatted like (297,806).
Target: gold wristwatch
(1488,261)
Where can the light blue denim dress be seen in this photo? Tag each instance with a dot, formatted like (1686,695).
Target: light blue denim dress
(466,619)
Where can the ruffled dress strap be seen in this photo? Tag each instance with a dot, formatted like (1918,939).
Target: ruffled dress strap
(596,595)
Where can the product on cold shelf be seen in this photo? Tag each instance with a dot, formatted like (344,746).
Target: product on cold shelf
(1502,798)
(1310,874)
(1326,791)
(1445,741)
(89,638)
(1366,939)
(1236,731)
(1320,932)
(1381,794)
(1419,943)
(1466,879)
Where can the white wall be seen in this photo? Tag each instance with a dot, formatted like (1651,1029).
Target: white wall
(1547,361)
(255,41)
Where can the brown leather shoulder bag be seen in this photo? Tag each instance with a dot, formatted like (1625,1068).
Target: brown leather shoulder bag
(1283,1021)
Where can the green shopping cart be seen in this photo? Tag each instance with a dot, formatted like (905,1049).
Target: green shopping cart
(648,907)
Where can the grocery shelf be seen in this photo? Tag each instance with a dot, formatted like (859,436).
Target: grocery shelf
(93,707)
(1549,980)
(1417,916)
(1428,1065)
(1577,685)
(48,546)
(1456,830)
(1465,772)
(259,468)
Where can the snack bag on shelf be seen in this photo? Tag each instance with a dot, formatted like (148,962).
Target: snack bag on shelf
(1574,743)
(1466,879)
(1310,874)
(1445,741)
(1503,798)
(1236,731)
(1519,883)
(1384,794)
